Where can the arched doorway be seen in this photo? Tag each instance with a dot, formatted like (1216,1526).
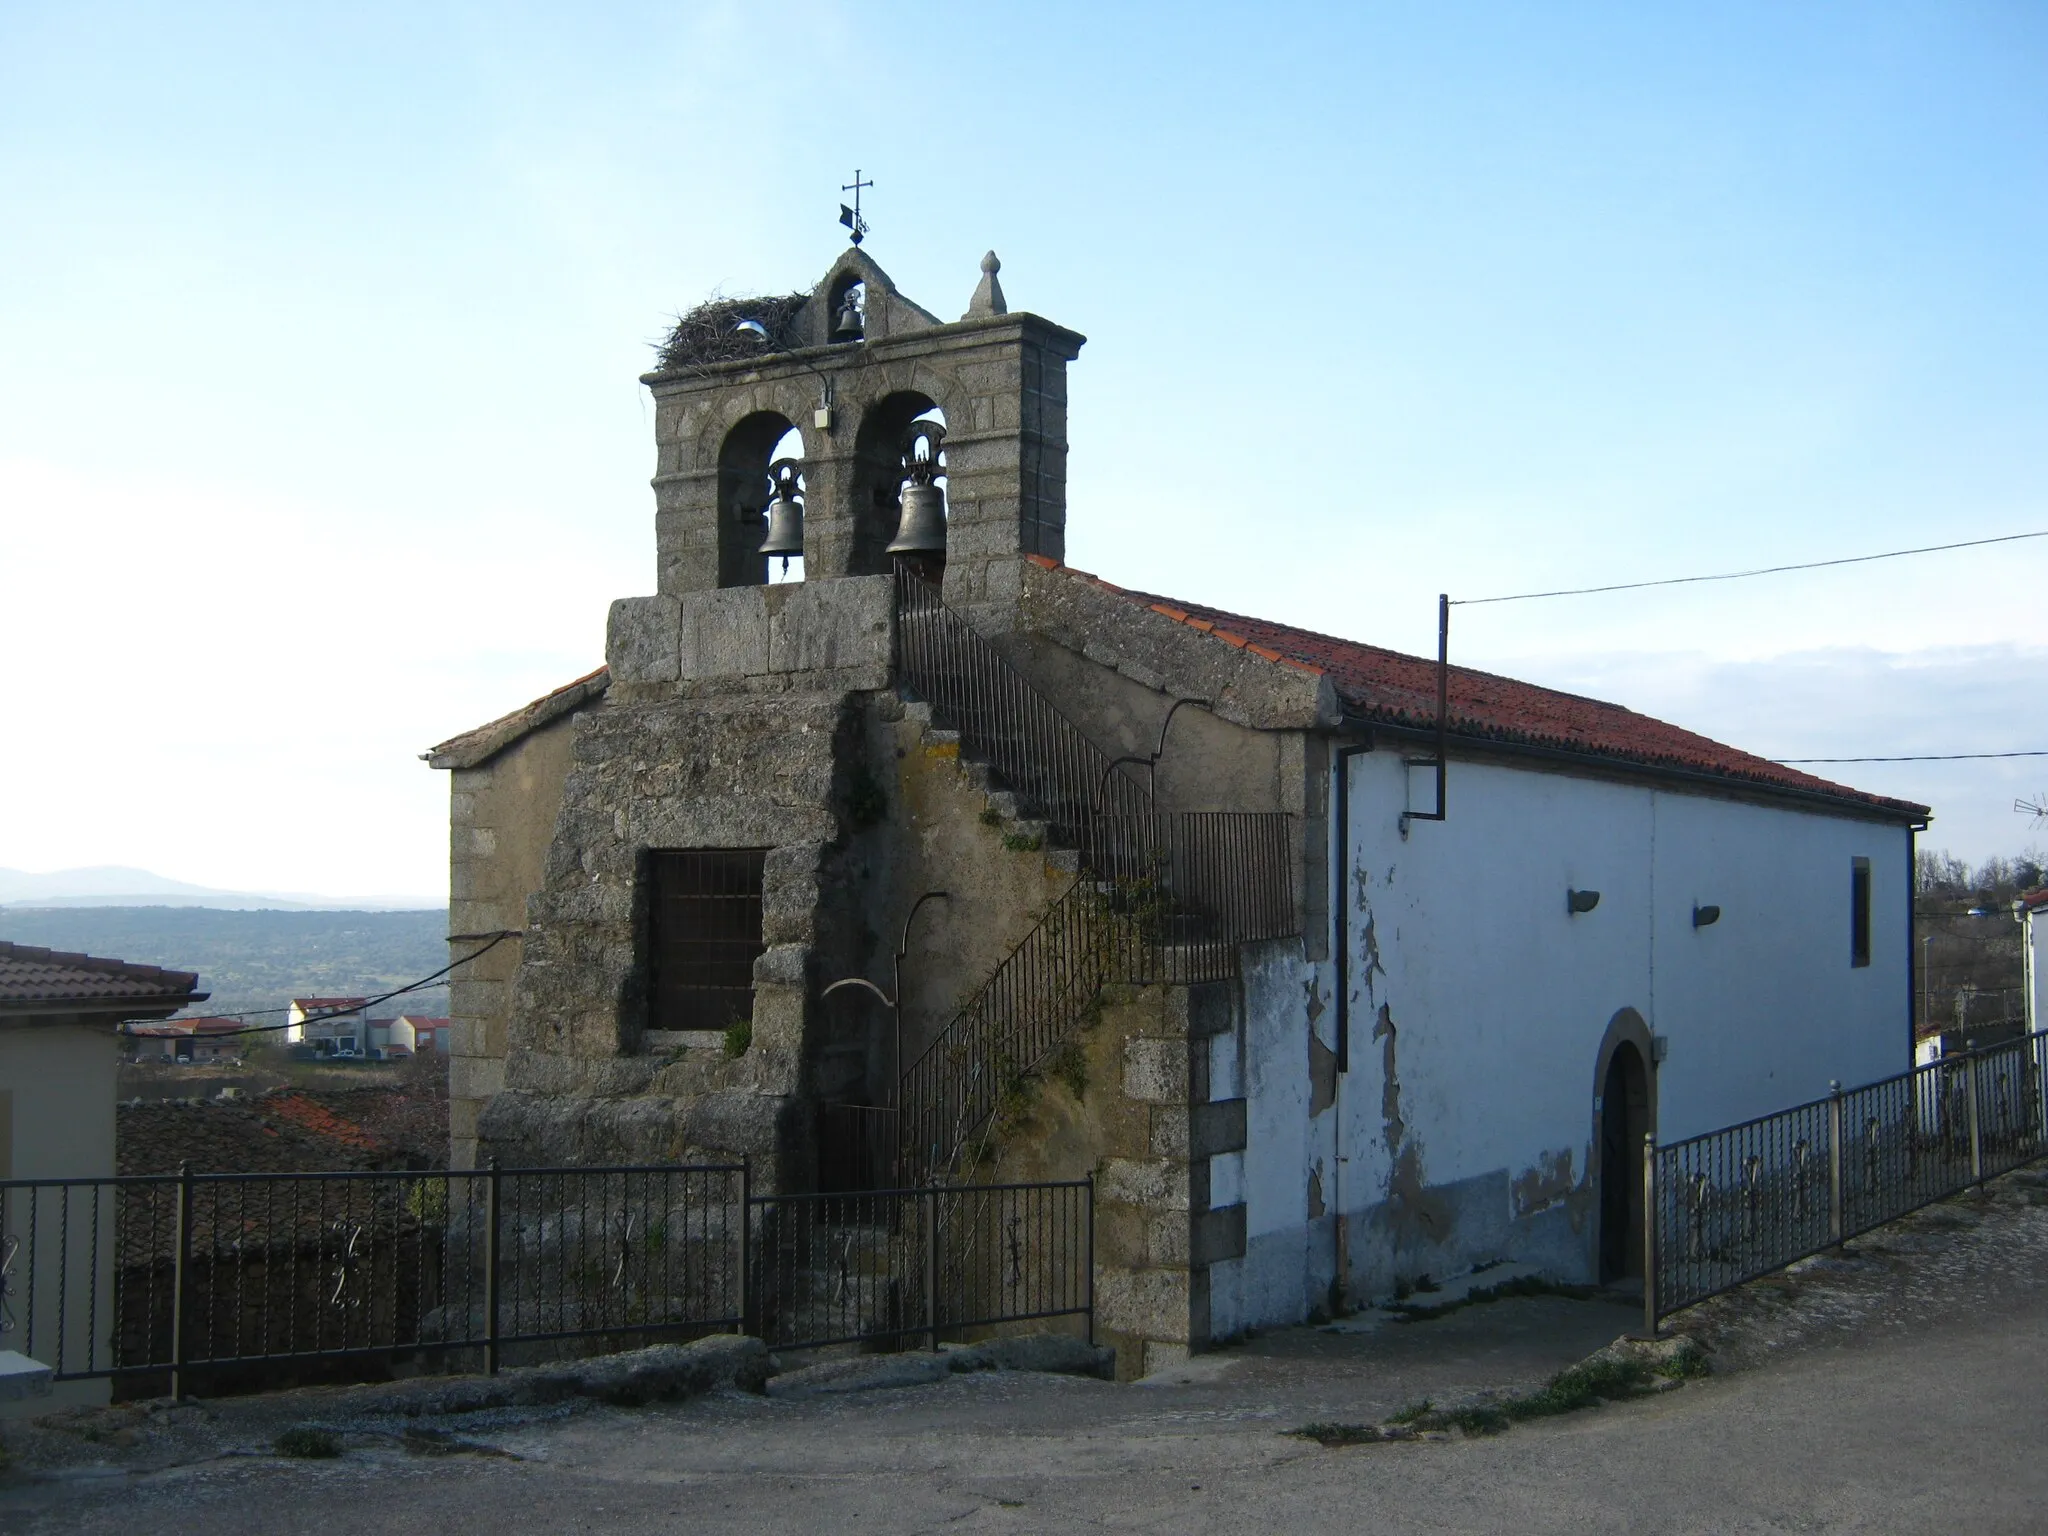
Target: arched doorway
(1624,1122)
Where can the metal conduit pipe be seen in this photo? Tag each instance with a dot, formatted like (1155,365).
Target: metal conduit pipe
(1340,900)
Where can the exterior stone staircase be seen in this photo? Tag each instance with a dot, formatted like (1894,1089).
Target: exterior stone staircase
(1132,914)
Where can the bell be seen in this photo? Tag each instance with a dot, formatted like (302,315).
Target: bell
(922,530)
(848,326)
(785,528)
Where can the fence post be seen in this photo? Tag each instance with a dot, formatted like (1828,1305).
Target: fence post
(749,1321)
(181,1265)
(1091,1258)
(1650,1234)
(931,1267)
(1976,1133)
(491,1267)
(1836,1225)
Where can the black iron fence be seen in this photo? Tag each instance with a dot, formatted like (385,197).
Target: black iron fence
(905,1266)
(1164,896)
(247,1278)
(1740,1202)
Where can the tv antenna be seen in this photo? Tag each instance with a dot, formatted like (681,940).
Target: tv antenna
(2036,808)
(850,217)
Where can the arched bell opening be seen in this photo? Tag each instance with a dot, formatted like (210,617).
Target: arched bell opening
(783,544)
(847,311)
(879,477)
(755,443)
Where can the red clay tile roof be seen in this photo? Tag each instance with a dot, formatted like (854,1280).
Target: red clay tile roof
(310,1004)
(1390,688)
(48,980)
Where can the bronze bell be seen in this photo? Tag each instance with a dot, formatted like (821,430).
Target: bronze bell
(848,326)
(922,530)
(785,513)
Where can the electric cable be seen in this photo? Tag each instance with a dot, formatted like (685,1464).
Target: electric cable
(1921,757)
(1767,570)
(496,938)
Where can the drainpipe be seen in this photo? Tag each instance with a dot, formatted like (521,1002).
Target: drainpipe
(1341,949)
(1341,955)
(1913,953)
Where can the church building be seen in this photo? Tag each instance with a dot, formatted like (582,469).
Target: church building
(886,848)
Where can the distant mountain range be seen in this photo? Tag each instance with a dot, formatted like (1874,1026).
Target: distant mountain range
(114,885)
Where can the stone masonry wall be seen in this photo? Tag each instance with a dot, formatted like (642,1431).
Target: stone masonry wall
(733,720)
(501,818)
(1132,1107)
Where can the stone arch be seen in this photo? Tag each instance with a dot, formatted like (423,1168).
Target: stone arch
(1624,1111)
(875,499)
(743,456)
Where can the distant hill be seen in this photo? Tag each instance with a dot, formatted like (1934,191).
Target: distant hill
(259,959)
(116,885)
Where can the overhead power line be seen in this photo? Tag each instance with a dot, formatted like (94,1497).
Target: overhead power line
(1767,570)
(367,1003)
(1919,757)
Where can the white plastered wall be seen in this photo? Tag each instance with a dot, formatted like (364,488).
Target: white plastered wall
(1463,1128)
(59,1080)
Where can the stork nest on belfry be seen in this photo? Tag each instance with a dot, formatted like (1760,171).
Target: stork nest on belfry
(709,333)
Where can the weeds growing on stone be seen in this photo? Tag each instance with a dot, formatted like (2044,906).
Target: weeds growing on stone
(1332,1435)
(1023,842)
(1602,1379)
(739,1035)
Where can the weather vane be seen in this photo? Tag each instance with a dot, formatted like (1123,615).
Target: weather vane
(850,217)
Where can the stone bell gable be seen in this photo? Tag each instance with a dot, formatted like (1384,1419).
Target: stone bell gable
(999,379)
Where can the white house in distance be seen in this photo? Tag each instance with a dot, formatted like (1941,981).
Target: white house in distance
(59,1055)
(410,1034)
(331,1026)
(2031,910)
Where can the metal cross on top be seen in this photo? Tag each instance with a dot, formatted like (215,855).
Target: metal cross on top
(850,217)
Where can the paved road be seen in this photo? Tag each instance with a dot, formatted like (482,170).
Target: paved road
(1929,1431)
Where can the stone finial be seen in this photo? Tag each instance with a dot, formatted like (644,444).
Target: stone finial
(988,293)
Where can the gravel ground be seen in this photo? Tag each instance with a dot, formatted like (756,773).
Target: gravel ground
(1893,1386)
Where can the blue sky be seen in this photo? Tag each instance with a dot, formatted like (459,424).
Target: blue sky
(320,435)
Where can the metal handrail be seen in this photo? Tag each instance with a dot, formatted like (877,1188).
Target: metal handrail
(1162,896)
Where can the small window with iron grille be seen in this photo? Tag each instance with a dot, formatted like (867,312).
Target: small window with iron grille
(704,934)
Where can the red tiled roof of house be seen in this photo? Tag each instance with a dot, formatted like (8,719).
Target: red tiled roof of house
(328,1004)
(423,1021)
(32,978)
(214,1026)
(316,1119)
(1391,688)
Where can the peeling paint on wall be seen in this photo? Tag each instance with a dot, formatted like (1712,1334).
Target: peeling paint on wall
(1549,1183)
(1411,1209)
(1315,1191)
(1322,1075)
(1390,1083)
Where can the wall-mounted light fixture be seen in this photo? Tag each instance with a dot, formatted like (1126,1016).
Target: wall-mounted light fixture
(821,414)
(1705,917)
(1577,902)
